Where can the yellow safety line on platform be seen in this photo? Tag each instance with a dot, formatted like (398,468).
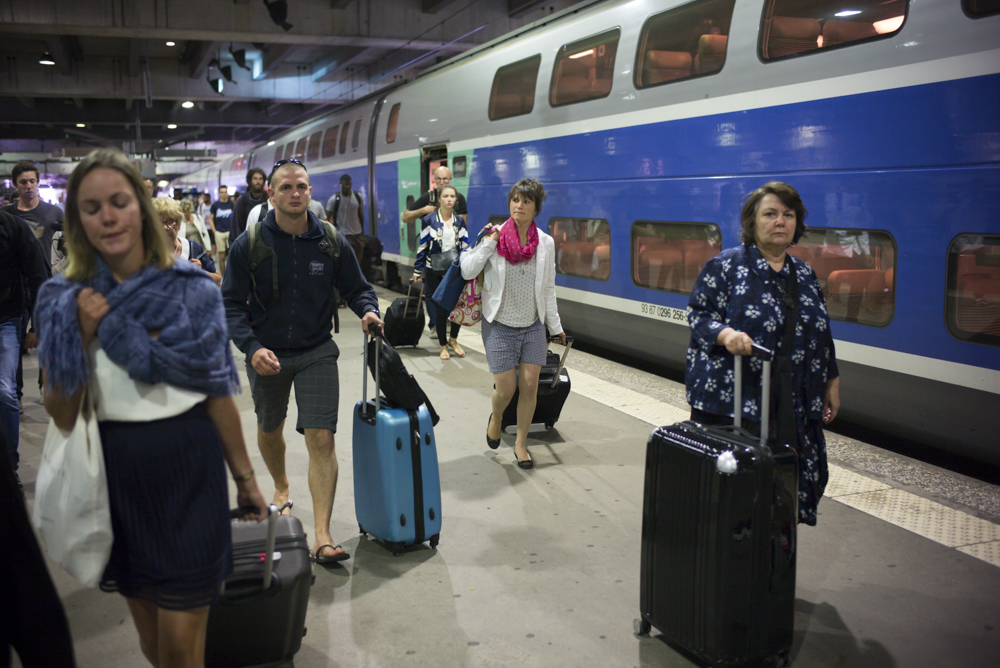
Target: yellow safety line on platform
(942,524)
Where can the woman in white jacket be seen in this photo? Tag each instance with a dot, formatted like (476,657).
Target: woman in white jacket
(519,301)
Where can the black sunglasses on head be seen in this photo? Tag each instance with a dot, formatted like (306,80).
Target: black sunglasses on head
(285,162)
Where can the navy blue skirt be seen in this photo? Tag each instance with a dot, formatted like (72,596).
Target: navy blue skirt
(169,510)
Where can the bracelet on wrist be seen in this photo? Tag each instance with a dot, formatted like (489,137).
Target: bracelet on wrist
(245,477)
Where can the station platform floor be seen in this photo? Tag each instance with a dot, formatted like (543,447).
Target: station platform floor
(541,567)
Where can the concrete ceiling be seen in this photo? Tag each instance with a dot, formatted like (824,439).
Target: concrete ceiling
(117,81)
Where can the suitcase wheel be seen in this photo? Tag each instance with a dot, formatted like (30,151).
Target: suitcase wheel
(434,540)
(396,548)
(549,425)
(362,531)
(641,627)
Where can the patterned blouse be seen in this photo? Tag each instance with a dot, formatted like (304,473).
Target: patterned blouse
(739,289)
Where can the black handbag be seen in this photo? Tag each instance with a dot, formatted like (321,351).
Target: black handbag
(440,262)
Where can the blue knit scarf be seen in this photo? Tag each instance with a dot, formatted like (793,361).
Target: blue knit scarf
(182,302)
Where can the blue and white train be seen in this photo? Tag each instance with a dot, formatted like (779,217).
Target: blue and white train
(649,120)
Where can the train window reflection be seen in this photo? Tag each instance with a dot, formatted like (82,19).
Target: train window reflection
(979,8)
(357,135)
(681,43)
(330,142)
(312,154)
(343,137)
(390,128)
(300,149)
(794,27)
(669,256)
(972,306)
(584,70)
(289,150)
(278,153)
(856,269)
(583,247)
(513,92)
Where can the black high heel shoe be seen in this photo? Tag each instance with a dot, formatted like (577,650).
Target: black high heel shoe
(494,443)
(528,463)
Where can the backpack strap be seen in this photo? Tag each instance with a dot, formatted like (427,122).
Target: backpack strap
(260,251)
(336,206)
(331,246)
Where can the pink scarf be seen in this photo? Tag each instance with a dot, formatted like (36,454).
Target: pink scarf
(509,246)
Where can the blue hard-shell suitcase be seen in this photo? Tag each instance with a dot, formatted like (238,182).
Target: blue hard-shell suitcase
(397,488)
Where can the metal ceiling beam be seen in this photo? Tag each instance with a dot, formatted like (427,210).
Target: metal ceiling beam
(174,34)
(435,6)
(364,56)
(274,56)
(198,55)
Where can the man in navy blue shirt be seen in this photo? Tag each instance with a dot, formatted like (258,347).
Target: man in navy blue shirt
(220,220)
(287,341)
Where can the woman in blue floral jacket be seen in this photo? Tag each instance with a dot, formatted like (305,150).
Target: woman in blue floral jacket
(741,297)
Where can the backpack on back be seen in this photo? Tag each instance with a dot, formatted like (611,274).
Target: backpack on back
(260,251)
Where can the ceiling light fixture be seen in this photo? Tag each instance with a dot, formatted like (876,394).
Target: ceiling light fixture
(171,43)
(172,126)
(81,125)
(278,10)
(270,143)
(47,59)
(188,104)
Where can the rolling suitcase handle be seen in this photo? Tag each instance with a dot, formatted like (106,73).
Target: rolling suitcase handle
(272,532)
(765,392)
(562,360)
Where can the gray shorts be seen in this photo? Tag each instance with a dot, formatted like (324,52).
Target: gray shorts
(506,347)
(317,390)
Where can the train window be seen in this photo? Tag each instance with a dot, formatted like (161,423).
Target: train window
(300,149)
(280,151)
(794,27)
(856,269)
(312,154)
(289,150)
(980,8)
(357,135)
(343,137)
(972,305)
(583,247)
(390,129)
(459,167)
(583,70)
(497,219)
(513,92)
(669,256)
(681,43)
(330,142)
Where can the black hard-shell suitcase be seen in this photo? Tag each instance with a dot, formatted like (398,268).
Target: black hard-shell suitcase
(553,388)
(405,319)
(717,575)
(259,618)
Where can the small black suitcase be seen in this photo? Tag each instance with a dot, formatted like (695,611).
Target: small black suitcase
(553,388)
(405,319)
(259,618)
(717,575)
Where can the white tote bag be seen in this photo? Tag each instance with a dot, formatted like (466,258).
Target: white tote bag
(72,511)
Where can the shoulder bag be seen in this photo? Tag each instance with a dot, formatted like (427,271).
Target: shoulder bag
(72,510)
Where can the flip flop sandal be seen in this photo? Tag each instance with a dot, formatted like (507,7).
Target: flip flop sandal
(331,559)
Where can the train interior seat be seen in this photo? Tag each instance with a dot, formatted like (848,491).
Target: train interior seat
(790,34)
(506,105)
(977,288)
(658,263)
(802,252)
(696,253)
(890,281)
(825,264)
(711,53)
(661,66)
(574,83)
(576,257)
(838,32)
(856,295)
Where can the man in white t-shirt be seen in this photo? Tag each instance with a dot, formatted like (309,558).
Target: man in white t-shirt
(347,212)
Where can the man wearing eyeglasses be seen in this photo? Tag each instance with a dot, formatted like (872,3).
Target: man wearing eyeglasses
(287,340)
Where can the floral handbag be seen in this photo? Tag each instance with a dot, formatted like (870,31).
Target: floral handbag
(469,309)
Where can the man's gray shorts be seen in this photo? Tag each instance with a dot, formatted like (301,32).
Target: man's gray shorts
(506,347)
(317,390)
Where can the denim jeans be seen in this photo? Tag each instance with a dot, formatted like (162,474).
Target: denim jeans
(10,353)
